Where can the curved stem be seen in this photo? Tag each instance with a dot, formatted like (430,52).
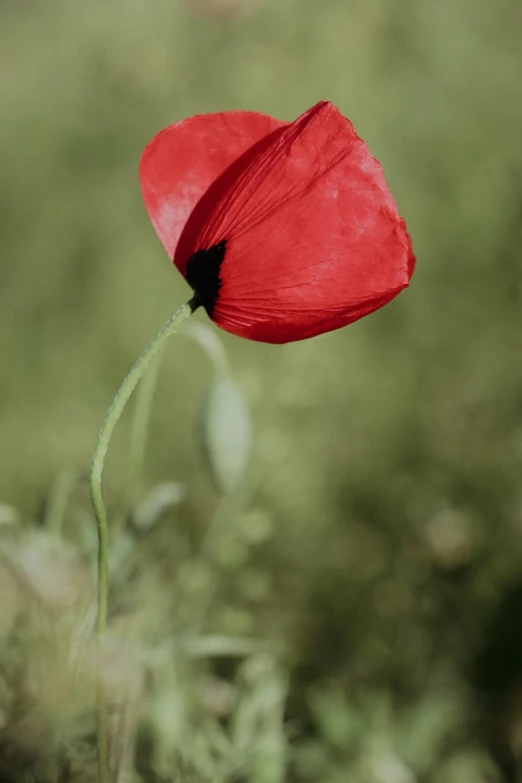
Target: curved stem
(98,460)
(138,441)
(140,429)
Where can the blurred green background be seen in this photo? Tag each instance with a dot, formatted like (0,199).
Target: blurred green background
(365,584)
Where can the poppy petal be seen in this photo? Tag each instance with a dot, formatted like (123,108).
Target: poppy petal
(314,238)
(181,163)
(284,235)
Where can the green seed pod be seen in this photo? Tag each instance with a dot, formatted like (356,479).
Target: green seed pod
(226,433)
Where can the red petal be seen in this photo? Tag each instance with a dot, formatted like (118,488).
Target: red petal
(314,238)
(180,164)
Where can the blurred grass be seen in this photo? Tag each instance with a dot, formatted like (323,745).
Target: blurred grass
(387,459)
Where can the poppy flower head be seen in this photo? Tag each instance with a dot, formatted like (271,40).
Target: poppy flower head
(284,230)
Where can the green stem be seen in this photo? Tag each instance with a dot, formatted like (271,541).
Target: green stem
(138,442)
(140,429)
(59,499)
(98,460)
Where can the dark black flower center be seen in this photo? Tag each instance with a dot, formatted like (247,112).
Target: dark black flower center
(202,273)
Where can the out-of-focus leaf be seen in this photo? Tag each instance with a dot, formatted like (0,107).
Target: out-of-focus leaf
(9,516)
(427,728)
(217,645)
(257,725)
(470,766)
(48,568)
(226,433)
(339,723)
(156,503)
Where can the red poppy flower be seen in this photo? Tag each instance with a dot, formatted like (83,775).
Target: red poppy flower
(284,230)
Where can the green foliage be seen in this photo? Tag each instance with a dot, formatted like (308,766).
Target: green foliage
(351,611)
(226,433)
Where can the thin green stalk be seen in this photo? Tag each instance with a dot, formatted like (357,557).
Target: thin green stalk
(100,452)
(59,499)
(138,441)
(140,428)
